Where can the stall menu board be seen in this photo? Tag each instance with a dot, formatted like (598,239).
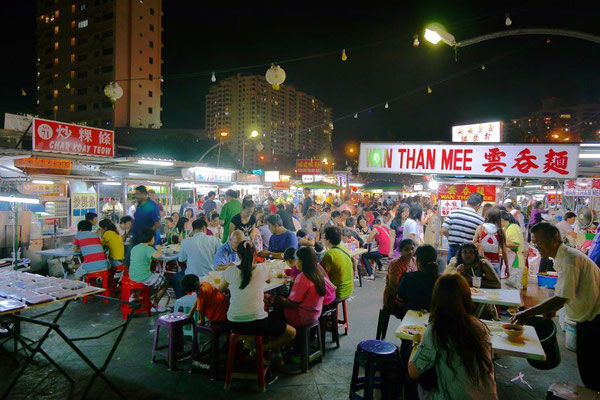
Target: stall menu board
(45,190)
(490,132)
(447,206)
(582,187)
(555,199)
(60,137)
(308,167)
(497,160)
(463,191)
(82,203)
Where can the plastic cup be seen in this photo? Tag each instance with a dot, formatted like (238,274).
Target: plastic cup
(476,282)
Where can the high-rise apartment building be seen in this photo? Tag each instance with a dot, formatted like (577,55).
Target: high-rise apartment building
(83,45)
(557,123)
(291,124)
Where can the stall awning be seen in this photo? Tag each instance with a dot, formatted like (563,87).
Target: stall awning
(382,186)
(319,185)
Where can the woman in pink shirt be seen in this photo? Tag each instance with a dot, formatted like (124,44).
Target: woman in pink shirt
(381,248)
(305,302)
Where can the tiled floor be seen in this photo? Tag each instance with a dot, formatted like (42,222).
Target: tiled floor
(132,371)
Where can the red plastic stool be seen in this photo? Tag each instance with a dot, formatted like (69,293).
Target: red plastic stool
(345,323)
(232,358)
(127,287)
(106,277)
(119,272)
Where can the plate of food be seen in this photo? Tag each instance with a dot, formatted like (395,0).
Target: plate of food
(413,329)
(476,291)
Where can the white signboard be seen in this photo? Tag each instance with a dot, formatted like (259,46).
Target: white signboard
(418,188)
(582,187)
(502,160)
(486,132)
(271,176)
(308,178)
(447,206)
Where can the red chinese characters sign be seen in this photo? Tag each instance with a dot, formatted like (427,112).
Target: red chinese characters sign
(60,137)
(500,160)
(308,167)
(462,192)
(447,206)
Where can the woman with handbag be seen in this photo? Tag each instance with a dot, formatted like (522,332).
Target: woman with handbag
(491,240)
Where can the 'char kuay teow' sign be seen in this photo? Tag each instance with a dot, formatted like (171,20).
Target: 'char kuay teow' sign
(499,160)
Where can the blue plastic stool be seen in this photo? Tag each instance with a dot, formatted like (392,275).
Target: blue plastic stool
(370,354)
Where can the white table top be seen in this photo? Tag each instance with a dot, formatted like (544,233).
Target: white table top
(273,284)
(358,252)
(529,348)
(501,297)
(59,252)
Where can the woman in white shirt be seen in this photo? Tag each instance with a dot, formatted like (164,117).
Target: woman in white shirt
(246,314)
(413,228)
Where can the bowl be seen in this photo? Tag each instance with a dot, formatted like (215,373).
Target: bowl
(513,331)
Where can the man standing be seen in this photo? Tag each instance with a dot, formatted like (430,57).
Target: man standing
(460,226)
(306,203)
(186,205)
(578,290)
(147,215)
(230,209)
(209,205)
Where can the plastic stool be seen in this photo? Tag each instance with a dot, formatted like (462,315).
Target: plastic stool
(174,323)
(303,338)
(345,323)
(232,356)
(570,391)
(370,354)
(184,304)
(328,321)
(382,323)
(106,277)
(127,287)
(215,330)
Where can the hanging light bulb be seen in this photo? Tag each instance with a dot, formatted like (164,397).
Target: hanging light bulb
(483,67)
(344,56)
(356,115)
(429,89)
(416,42)
(387,105)
(68,86)
(508,21)
(23,92)
(213,78)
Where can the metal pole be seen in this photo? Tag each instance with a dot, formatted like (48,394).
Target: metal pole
(520,32)
(219,156)
(243,153)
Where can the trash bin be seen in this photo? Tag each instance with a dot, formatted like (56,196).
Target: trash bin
(546,331)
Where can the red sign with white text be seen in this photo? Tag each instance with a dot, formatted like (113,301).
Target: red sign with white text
(462,192)
(554,198)
(499,160)
(308,167)
(60,137)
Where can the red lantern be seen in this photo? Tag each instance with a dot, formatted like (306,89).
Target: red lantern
(354,189)
(337,190)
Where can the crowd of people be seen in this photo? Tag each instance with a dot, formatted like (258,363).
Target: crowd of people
(486,243)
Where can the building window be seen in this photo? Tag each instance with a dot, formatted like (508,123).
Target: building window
(107,34)
(140,69)
(82,74)
(150,77)
(81,107)
(56,14)
(82,24)
(49,96)
(139,103)
(107,51)
(151,11)
(72,74)
(55,108)
(72,10)
(72,41)
(72,24)
(108,15)
(95,106)
(56,30)
(150,93)
(82,6)
(82,57)
(141,17)
(151,60)
(106,104)
(81,91)
(106,69)
(149,110)
(140,52)
(151,28)
(72,107)
(151,44)
(55,60)
(56,75)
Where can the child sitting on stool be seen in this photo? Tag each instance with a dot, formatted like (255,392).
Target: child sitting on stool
(210,302)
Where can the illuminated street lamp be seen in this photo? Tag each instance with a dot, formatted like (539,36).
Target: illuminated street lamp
(435,33)
(253,134)
(222,136)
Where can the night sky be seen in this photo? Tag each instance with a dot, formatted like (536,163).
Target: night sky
(201,36)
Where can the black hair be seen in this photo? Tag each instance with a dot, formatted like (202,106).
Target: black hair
(376,221)
(289,254)
(173,213)
(333,234)
(474,199)
(90,216)
(547,230)
(180,227)
(310,268)
(142,189)
(569,214)
(126,219)
(537,204)
(213,215)
(211,194)
(247,203)
(274,220)
(319,247)
(311,213)
(459,259)
(232,193)
(509,217)
(350,222)
(335,214)
(170,219)
(404,243)
(190,200)
(347,213)
(190,283)
(426,256)
(199,224)
(245,251)
(84,225)
(301,233)
(145,235)
(189,209)
(108,225)
(415,212)
(280,207)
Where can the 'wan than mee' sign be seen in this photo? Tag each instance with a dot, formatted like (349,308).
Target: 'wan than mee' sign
(501,160)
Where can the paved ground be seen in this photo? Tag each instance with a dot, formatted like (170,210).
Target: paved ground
(132,371)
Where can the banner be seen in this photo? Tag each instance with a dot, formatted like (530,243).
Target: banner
(308,167)
(462,192)
(447,206)
(44,189)
(503,160)
(582,187)
(486,132)
(60,137)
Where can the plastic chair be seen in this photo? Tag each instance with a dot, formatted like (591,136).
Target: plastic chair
(382,323)
(345,323)
(232,358)
(370,354)
(91,278)
(128,286)
(184,304)
(174,323)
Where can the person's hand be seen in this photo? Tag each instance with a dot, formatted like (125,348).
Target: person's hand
(158,247)
(460,268)
(520,318)
(416,339)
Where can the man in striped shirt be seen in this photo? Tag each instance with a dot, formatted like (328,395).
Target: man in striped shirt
(460,226)
(88,242)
